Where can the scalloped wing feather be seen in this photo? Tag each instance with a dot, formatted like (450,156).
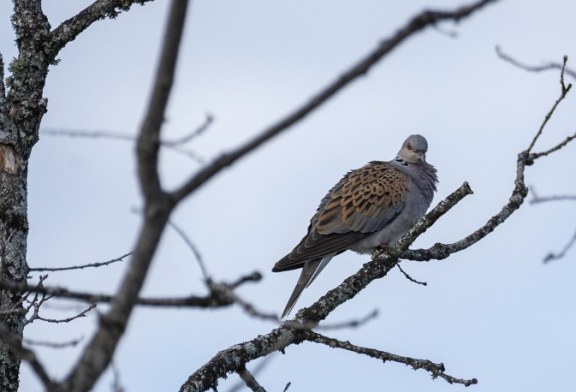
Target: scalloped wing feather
(363,202)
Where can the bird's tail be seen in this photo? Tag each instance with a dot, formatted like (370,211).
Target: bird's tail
(310,271)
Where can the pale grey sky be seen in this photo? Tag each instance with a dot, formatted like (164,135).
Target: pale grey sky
(493,312)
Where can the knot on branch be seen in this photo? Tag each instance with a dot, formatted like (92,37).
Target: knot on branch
(440,251)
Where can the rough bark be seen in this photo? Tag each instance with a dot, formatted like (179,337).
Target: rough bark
(21,110)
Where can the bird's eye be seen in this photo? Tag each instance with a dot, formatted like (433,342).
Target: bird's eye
(409,147)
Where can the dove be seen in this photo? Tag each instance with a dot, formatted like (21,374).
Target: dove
(370,207)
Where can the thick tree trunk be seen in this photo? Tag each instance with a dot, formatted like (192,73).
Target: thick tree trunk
(21,110)
(13,266)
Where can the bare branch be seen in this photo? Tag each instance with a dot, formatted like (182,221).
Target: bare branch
(294,331)
(94,134)
(68,319)
(148,144)
(382,262)
(350,324)
(122,136)
(225,291)
(192,135)
(564,91)
(192,247)
(249,379)
(543,199)
(552,256)
(557,147)
(253,277)
(100,9)
(525,158)
(259,367)
(158,206)
(213,300)
(70,343)
(411,279)
(79,267)
(436,369)
(533,68)
(361,68)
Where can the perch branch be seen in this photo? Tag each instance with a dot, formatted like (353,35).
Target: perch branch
(436,369)
(294,331)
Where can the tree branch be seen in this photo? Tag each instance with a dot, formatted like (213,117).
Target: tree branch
(294,331)
(536,199)
(173,145)
(213,300)
(532,68)
(563,93)
(555,256)
(525,158)
(249,380)
(436,369)
(100,9)
(77,267)
(99,351)
(361,68)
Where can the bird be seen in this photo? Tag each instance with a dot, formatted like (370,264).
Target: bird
(369,208)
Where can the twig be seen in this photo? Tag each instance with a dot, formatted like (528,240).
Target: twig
(70,343)
(436,369)
(553,149)
(79,267)
(239,386)
(411,279)
(532,68)
(192,247)
(249,380)
(67,320)
(552,256)
(564,91)
(225,291)
(253,277)
(174,146)
(350,324)
(212,300)
(539,199)
(192,135)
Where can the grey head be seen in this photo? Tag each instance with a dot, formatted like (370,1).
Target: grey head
(413,150)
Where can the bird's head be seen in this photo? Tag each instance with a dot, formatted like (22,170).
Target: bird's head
(414,149)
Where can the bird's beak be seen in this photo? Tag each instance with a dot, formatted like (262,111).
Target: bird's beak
(421,156)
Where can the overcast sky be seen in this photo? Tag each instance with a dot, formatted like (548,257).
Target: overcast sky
(494,312)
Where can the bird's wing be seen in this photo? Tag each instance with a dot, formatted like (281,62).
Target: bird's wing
(363,202)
